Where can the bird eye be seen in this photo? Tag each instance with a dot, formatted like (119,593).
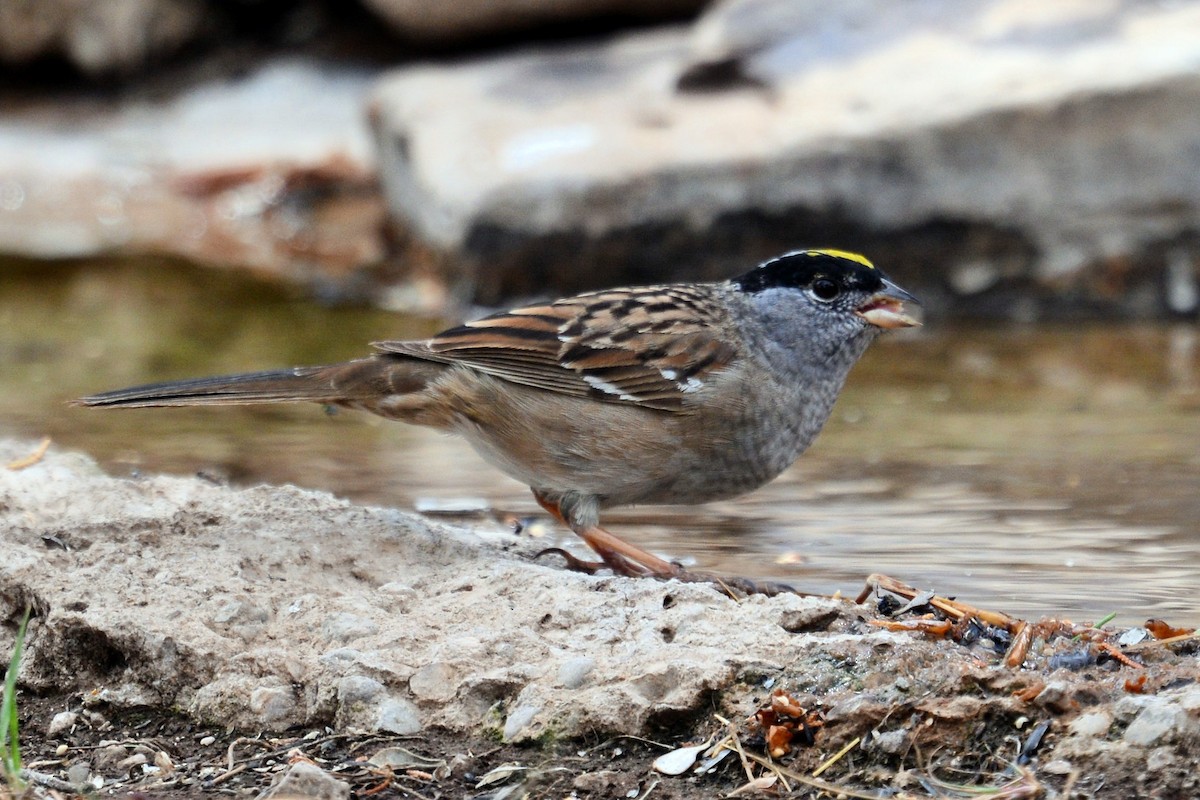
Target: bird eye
(825,289)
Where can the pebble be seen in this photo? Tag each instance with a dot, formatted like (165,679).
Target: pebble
(61,750)
(520,717)
(1156,722)
(574,671)
(135,760)
(354,689)
(1091,724)
(344,627)
(399,716)
(1160,758)
(78,773)
(63,722)
(891,742)
(436,682)
(271,703)
(108,758)
(1058,766)
(206,741)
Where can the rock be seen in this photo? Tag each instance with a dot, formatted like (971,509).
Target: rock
(1093,724)
(305,779)
(135,760)
(473,19)
(605,783)
(271,704)
(347,627)
(518,720)
(358,689)
(1157,722)
(62,723)
(978,156)
(292,195)
(574,671)
(499,660)
(893,742)
(437,681)
(107,759)
(99,36)
(78,773)
(397,715)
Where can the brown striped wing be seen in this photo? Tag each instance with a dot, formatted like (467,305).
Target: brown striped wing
(650,346)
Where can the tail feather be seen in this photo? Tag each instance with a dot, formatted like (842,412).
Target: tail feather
(300,384)
(361,383)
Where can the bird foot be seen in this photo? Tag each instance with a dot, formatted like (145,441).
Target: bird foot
(613,561)
(734,586)
(574,563)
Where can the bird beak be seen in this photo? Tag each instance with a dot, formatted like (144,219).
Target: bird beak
(885,308)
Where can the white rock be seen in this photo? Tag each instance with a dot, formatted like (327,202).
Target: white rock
(358,689)
(518,719)
(398,715)
(62,722)
(574,671)
(1091,724)
(1157,722)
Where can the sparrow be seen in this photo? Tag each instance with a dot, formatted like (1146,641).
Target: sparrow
(671,394)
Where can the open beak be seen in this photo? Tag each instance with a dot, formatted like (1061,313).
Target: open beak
(885,308)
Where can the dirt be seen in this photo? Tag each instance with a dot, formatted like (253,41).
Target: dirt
(292,627)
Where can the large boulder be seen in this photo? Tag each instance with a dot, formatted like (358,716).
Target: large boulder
(988,151)
(272,171)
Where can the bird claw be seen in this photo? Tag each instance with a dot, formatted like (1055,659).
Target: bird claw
(574,563)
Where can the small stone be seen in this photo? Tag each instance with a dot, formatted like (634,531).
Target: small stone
(78,773)
(1190,700)
(603,783)
(135,760)
(271,703)
(1091,725)
(164,762)
(108,758)
(574,671)
(1058,766)
(345,627)
(207,741)
(1129,707)
(304,779)
(437,682)
(61,750)
(358,689)
(399,716)
(891,742)
(1160,758)
(1156,722)
(63,722)
(518,720)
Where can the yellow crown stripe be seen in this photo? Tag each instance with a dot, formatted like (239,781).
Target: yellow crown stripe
(843,254)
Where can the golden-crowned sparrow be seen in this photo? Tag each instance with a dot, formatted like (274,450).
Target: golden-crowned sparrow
(680,393)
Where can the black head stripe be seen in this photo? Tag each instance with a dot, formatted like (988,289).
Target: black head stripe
(796,270)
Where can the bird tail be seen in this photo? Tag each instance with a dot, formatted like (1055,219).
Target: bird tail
(361,380)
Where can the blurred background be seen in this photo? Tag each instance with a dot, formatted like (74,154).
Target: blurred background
(191,187)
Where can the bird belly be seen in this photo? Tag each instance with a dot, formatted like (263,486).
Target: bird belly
(623,454)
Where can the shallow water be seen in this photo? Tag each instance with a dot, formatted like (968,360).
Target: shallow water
(1032,470)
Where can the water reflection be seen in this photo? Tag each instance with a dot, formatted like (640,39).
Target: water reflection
(1033,470)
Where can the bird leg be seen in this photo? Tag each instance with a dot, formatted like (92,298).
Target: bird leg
(633,562)
(615,553)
